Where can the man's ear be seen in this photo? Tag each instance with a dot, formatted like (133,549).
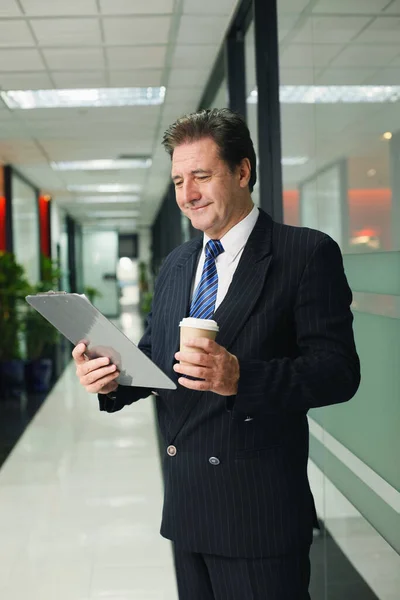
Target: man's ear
(244,172)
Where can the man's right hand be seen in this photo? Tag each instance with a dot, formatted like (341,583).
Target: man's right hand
(96,375)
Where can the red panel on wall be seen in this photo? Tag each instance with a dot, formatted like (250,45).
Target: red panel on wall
(2,224)
(44,215)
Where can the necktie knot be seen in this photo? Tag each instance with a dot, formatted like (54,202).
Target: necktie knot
(213,249)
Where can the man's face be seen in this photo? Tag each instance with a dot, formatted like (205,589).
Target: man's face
(207,192)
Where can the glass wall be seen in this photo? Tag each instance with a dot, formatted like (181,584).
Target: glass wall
(340,132)
(25,226)
(251,85)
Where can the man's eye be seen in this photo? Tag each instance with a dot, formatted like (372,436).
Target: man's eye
(178,183)
(203,177)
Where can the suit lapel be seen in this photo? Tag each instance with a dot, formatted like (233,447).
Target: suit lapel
(247,284)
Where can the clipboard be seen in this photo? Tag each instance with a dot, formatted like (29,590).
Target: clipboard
(78,320)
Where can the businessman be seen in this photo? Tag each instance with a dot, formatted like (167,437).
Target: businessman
(237,504)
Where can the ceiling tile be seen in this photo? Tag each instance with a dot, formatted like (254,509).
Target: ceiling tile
(326,30)
(36,8)
(15,33)
(136,7)
(67,32)
(79,79)
(137,57)
(309,55)
(297,76)
(382,30)
(390,76)
(201,30)
(192,55)
(143,78)
(394,8)
(9,8)
(20,60)
(366,56)
(136,30)
(188,78)
(344,76)
(25,81)
(337,7)
(176,96)
(207,7)
(74,58)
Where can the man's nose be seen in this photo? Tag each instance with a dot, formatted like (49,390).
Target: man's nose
(191,192)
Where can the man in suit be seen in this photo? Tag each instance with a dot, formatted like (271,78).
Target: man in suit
(237,504)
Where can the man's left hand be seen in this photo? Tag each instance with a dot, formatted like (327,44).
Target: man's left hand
(217,368)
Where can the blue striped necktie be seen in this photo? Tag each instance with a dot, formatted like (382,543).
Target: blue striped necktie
(203,303)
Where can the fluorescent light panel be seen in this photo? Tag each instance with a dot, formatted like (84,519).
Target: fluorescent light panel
(106,200)
(334,94)
(112,188)
(102,165)
(294,161)
(73,98)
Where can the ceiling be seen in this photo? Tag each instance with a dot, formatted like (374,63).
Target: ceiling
(62,44)
(337,42)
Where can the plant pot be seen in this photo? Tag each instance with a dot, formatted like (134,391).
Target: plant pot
(38,375)
(12,379)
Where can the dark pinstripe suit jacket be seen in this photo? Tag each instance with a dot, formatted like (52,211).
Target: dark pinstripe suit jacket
(287,318)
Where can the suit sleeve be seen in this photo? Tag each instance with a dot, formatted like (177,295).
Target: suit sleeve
(327,369)
(126,395)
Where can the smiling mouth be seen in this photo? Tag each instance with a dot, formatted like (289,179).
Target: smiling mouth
(195,208)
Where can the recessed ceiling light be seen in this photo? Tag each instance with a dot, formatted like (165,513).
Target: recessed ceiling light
(371,172)
(387,135)
(104,200)
(72,98)
(333,94)
(112,188)
(294,161)
(102,165)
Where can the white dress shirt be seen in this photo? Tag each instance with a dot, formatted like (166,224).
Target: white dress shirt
(233,243)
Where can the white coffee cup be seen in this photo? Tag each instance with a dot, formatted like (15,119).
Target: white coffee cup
(192,328)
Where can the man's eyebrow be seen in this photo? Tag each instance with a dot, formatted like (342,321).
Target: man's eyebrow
(195,172)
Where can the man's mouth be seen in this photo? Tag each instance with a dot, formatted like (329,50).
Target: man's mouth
(195,208)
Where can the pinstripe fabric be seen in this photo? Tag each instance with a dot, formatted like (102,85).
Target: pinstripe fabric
(286,317)
(207,577)
(203,303)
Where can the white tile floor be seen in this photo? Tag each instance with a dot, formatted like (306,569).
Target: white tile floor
(80,503)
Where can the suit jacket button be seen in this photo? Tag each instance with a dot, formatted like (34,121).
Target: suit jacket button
(214,461)
(171,450)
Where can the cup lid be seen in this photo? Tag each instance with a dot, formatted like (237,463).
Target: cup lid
(208,324)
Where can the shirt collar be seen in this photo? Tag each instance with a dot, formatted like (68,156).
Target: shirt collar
(235,239)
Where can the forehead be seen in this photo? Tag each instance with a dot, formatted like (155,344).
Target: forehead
(201,154)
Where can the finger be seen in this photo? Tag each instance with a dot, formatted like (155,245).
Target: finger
(202,373)
(96,387)
(97,374)
(201,386)
(209,346)
(92,365)
(78,353)
(195,358)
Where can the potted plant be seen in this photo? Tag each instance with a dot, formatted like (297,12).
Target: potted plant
(13,289)
(40,336)
(92,293)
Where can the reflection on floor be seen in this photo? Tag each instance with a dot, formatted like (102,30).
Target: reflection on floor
(332,575)
(80,504)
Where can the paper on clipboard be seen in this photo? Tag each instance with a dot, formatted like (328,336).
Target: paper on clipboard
(78,320)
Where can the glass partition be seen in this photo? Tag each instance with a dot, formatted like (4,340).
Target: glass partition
(25,226)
